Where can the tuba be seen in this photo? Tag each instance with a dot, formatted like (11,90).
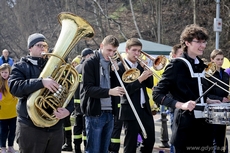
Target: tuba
(42,103)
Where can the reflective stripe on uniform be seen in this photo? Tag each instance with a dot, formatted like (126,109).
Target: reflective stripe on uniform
(84,137)
(119,105)
(80,77)
(77,101)
(68,128)
(77,136)
(113,140)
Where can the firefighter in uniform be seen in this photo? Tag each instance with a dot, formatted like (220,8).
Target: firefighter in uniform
(79,126)
(67,123)
(115,138)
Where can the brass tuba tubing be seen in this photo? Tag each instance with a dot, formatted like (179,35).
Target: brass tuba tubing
(129,100)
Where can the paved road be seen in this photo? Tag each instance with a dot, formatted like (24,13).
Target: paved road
(157,133)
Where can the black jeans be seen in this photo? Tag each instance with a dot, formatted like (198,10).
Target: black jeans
(7,131)
(38,140)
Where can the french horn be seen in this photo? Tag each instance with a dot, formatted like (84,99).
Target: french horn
(42,103)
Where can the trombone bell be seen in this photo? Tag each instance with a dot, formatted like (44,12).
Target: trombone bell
(159,63)
(130,75)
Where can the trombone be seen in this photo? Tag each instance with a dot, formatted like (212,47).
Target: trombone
(126,93)
(158,63)
(130,74)
(209,71)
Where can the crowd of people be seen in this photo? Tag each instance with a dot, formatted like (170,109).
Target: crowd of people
(107,101)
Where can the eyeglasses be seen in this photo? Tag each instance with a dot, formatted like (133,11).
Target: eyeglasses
(41,45)
(200,42)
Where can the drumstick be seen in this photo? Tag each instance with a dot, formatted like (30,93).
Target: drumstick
(202,95)
(205,93)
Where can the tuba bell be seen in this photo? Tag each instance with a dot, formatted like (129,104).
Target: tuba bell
(42,103)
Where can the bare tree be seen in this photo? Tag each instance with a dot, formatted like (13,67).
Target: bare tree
(194,11)
(134,19)
(110,19)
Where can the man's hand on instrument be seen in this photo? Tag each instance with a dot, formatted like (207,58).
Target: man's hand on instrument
(117,91)
(212,101)
(114,64)
(145,75)
(190,105)
(50,84)
(61,113)
(225,100)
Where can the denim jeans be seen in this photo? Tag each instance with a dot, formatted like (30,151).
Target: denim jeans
(7,131)
(98,131)
(171,123)
(162,108)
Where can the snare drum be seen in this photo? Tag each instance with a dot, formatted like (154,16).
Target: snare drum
(218,113)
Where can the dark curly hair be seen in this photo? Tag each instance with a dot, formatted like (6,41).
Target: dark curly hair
(190,32)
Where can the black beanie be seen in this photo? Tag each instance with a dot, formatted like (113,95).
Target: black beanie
(86,52)
(34,38)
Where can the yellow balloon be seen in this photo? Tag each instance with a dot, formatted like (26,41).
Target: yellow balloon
(226,63)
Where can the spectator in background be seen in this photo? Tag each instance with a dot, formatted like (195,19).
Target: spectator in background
(76,61)
(7,111)
(5,58)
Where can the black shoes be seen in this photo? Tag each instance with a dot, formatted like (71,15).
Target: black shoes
(67,147)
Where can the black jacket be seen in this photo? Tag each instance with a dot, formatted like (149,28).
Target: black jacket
(133,89)
(77,92)
(23,81)
(177,80)
(91,92)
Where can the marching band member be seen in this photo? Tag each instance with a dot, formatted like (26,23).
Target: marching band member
(189,134)
(138,95)
(98,96)
(24,80)
(217,93)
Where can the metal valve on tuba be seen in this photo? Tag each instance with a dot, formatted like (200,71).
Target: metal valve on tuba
(42,103)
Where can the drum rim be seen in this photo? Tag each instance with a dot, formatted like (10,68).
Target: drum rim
(219,104)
